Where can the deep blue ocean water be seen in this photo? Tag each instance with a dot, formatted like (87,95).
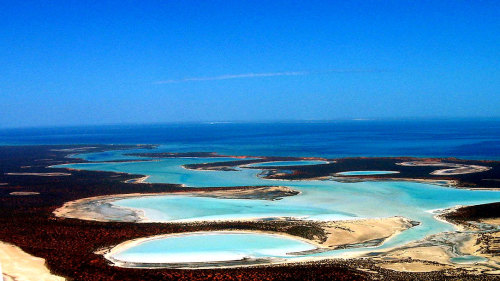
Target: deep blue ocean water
(472,139)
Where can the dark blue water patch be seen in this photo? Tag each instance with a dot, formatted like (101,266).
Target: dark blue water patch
(474,139)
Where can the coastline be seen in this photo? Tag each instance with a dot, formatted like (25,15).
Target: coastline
(138,180)
(356,236)
(15,264)
(110,251)
(426,258)
(139,217)
(33,218)
(88,208)
(268,175)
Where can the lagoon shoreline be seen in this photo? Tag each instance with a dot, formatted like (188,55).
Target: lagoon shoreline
(34,221)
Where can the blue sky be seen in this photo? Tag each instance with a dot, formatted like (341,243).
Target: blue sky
(101,62)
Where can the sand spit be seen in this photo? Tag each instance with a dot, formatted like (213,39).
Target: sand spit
(138,180)
(24,193)
(454,168)
(465,169)
(18,265)
(414,266)
(263,193)
(99,208)
(39,174)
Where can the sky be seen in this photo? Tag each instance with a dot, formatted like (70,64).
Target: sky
(120,62)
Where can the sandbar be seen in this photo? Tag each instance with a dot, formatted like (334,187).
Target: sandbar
(39,174)
(413,266)
(454,168)
(24,193)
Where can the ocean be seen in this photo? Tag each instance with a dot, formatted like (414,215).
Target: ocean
(468,139)
(317,200)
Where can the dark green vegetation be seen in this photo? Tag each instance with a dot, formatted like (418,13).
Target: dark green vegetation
(486,179)
(474,180)
(309,231)
(69,245)
(474,213)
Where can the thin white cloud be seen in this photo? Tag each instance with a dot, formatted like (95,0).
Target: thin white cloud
(256,75)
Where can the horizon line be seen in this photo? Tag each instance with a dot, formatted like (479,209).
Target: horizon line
(263,121)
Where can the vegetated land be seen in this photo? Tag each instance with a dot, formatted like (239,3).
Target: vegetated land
(69,245)
(486,179)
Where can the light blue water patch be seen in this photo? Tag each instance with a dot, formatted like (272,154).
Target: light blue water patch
(366,173)
(323,200)
(288,163)
(212,247)
(171,171)
(468,259)
(190,208)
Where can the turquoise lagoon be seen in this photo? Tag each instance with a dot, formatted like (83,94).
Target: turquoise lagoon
(366,173)
(318,200)
(216,246)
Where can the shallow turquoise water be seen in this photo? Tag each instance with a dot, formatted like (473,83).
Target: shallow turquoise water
(366,173)
(171,171)
(212,246)
(318,200)
(468,259)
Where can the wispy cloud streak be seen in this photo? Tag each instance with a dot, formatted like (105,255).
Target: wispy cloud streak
(265,74)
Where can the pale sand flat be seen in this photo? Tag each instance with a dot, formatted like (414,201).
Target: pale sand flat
(431,253)
(453,168)
(21,266)
(363,230)
(24,193)
(415,266)
(492,221)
